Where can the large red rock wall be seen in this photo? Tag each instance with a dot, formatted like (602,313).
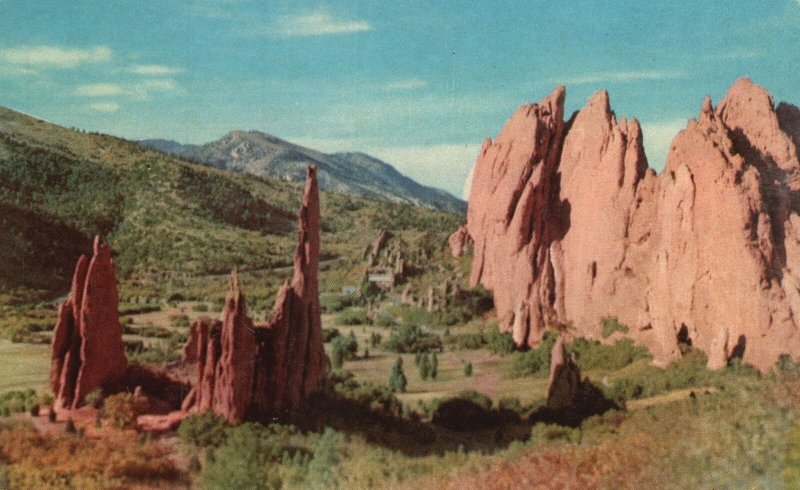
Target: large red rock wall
(87,349)
(571,226)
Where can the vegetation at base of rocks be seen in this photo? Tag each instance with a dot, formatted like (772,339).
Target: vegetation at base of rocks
(411,339)
(535,361)
(121,409)
(611,325)
(18,401)
(328,334)
(203,430)
(33,460)
(590,354)
(490,339)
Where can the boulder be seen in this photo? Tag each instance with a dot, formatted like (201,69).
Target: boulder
(571,226)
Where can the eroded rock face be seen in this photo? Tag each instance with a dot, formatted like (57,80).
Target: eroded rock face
(87,349)
(247,371)
(571,226)
(459,240)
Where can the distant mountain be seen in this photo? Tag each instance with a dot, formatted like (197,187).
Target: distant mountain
(264,155)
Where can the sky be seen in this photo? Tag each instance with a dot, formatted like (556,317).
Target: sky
(419,84)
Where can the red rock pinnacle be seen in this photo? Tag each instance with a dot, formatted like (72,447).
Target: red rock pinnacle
(264,371)
(87,350)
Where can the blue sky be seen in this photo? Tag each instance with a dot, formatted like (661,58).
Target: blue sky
(417,83)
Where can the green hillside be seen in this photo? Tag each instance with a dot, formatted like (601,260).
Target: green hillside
(166,218)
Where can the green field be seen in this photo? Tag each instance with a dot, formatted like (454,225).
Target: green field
(24,366)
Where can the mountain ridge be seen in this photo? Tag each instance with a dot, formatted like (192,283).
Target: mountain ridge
(356,173)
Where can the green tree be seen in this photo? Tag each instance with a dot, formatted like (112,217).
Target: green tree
(434,366)
(247,460)
(398,380)
(468,369)
(337,353)
(424,367)
(322,470)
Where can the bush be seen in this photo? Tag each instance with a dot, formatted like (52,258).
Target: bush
(200,307)
(248,459)
(611,325)
(353,316)
(337,354)
(336,303)
(180,321)
(328,334)
(468,369)
(322,470)
(590,354)
(411,338)
(468,411)
(534,361)
(123,408)
(203,430)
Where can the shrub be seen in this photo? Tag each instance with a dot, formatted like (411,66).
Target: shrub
(611,325)
(180,321)
(248,459)
(469,410)
(322,470)
(123,408)
(353,316)
(203,430)
(328,334)
(534,361)
(337,354)
(434,366)
(468,369)
(200,307)
(336,303)
(590,354)
(411,338)
(34,410)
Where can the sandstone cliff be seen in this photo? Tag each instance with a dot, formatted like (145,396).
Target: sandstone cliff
(571,226)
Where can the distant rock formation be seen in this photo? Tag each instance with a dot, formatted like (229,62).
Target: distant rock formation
(87,349)
(258,372)
(459,240)
(571,226)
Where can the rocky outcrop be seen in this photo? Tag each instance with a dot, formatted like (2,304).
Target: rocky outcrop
(459,240)
(564,384)
(87,350)
(571,226)
(247,371)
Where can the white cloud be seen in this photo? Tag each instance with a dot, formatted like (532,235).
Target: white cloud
(408,84)
(319,22)
(54,56)
(618,76)
(154,70)
(141,90)
(104,106)
(99,90)
(658,138)
(16,71)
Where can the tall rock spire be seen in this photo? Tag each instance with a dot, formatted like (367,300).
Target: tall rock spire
(87,349)
(248,371)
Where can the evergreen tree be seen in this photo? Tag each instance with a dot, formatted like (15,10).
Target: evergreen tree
(434,366)
(322,469)
(398,380)
(468,369)
(337,353)
(425,367)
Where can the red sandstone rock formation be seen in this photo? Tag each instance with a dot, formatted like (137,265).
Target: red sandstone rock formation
(246,371)
(87,351)
(571,226)
(459,240)
(564,384)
